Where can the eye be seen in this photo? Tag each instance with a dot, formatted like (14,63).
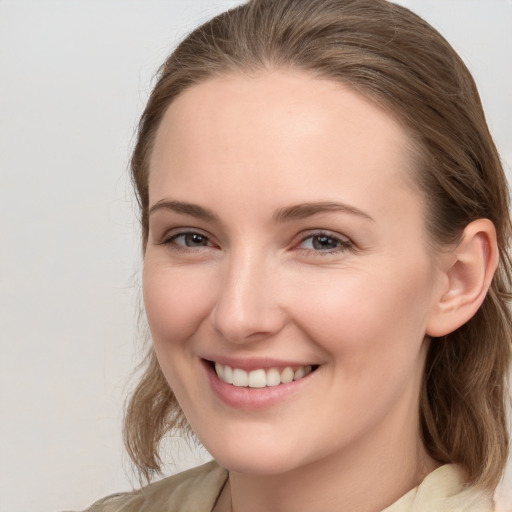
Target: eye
(189,239)
(324,242)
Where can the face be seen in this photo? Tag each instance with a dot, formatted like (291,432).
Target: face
(285,242)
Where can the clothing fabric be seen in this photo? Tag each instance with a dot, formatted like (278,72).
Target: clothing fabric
(198,489)
(195,490)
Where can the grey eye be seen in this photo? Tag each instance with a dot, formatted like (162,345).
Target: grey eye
(190,240)
(323,242)
(195,239)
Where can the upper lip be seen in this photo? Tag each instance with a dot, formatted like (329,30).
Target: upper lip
(256,363)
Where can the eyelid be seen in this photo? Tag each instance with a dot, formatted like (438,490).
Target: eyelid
(345,243)
(172,234)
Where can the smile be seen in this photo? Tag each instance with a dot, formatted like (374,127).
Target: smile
(261,378)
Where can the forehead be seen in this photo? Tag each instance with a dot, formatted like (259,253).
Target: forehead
(282,131)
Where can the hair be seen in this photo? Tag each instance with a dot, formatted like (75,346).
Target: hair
(396,59)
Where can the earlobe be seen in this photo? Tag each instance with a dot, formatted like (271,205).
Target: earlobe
(468,272)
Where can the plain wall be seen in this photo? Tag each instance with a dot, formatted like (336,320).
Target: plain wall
(74,76)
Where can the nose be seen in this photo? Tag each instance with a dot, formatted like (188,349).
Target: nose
(248,301)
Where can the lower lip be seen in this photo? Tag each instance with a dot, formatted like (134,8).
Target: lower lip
(253,398)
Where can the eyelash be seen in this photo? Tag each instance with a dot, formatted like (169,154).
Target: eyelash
(171,241)
(343,244)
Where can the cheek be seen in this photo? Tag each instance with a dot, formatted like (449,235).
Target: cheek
(176,301)
(366,316)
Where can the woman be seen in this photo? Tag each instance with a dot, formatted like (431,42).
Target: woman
(326,237)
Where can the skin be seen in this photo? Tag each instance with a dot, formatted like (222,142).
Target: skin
(253,286)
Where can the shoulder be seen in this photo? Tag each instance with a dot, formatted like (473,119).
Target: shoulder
(195,490)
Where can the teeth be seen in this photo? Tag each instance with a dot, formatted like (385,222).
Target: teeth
(240,378)
(228,375)
(260,378)
(257,379)
(299,373)
(273,377)
(287,375)
(220,370)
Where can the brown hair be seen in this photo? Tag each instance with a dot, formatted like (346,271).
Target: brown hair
(392,56)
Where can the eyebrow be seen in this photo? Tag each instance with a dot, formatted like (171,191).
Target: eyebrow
(305,210)
(288,213)
(193,210)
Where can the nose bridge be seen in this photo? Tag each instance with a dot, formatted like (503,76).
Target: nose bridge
(247,306)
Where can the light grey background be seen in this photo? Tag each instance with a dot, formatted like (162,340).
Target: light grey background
(74,75)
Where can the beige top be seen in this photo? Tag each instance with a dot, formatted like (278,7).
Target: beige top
(197,490)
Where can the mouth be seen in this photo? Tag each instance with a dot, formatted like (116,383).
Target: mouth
(261,377)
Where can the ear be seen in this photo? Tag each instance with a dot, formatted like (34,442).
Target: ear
(467,272)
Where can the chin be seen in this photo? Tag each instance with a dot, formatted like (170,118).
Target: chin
(255,465)
(254,458)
